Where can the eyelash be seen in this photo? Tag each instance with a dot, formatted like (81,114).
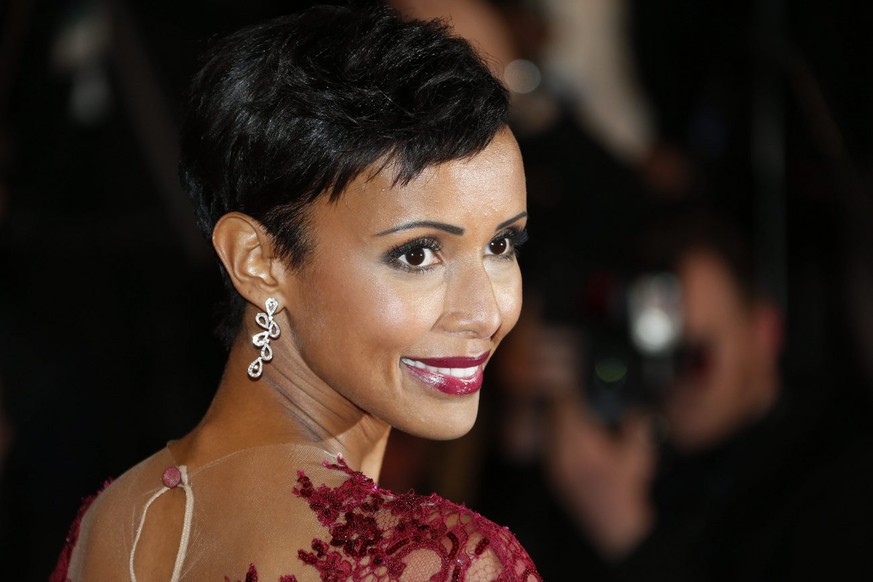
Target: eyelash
(393,256)
(516,237)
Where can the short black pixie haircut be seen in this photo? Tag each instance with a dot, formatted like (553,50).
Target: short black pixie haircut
(287,111)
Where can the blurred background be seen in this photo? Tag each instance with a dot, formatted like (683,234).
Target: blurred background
(699,178)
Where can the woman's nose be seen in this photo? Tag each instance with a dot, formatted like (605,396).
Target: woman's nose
(472,304)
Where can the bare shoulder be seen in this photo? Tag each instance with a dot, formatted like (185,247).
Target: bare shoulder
(104,533)
(131,489)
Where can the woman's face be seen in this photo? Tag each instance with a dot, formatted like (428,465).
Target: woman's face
(409,289)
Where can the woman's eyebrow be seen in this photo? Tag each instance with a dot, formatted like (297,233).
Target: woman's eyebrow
(506,223)
(451,229)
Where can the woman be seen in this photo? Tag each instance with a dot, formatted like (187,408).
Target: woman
(365,199)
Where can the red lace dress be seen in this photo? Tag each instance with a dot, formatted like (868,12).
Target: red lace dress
(306,520)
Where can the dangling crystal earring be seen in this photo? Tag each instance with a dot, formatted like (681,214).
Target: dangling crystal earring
(262,339)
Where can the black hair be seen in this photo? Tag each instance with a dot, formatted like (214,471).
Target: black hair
(295,108)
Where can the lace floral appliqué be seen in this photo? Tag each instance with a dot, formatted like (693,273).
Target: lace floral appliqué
(375,535)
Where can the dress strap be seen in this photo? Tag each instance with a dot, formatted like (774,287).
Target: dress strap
(172,478)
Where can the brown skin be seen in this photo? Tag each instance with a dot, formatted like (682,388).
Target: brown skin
(350,313)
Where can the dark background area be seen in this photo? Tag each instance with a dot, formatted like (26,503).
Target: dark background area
(107,294)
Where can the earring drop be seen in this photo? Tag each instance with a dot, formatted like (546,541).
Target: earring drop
(262,339)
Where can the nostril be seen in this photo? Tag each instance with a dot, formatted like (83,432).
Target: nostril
(481,298)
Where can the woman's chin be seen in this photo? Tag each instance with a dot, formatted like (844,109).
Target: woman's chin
(446,428)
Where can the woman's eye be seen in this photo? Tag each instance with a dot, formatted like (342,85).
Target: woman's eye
(415,255)
(506,244)
(499,246)
(418,257)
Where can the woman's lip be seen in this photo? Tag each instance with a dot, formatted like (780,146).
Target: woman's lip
(449,384)
(454,362)
(458,375)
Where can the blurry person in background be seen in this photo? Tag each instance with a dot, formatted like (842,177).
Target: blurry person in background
(753,480)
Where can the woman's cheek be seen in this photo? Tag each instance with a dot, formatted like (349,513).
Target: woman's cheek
(510,299)
(409,309)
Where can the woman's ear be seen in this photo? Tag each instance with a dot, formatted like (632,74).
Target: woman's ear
(249,256)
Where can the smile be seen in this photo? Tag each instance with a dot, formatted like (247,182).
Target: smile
(456,376)
(455,372)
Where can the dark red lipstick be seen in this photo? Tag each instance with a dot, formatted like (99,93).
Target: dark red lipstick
(437,373)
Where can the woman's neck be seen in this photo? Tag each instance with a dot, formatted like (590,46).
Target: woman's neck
(280,407)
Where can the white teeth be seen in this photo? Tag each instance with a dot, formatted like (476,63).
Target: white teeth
(463,372)
(455,372)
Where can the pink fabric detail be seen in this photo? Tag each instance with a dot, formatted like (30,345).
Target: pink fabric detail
(172,477)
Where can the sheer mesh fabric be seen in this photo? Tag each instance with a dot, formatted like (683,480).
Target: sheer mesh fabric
(309,517)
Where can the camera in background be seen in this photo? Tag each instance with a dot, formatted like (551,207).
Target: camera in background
(634,349)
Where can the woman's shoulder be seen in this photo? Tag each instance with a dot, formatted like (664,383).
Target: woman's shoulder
(132,486)
(371,530)
(274,512)
(108,509)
